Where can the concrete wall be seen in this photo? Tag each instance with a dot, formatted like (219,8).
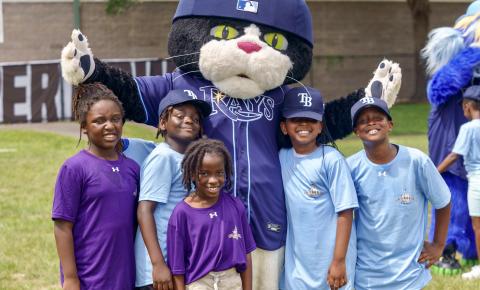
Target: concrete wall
(350,37)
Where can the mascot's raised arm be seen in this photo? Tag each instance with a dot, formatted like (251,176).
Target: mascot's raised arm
(452,56)
(239,56)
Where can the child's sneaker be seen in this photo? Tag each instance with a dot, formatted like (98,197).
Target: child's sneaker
(473,274)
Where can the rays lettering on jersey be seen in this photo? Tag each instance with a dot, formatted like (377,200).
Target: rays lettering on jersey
(238,109)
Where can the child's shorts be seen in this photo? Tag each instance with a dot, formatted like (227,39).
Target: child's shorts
(473,195)
(223,280)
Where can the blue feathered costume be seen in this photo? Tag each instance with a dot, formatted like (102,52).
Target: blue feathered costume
(453,63)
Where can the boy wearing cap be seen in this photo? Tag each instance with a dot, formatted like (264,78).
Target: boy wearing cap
(467,145)
(394,184)
(161,187)
(320,197)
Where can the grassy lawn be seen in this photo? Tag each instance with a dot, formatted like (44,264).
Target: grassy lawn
(30,161)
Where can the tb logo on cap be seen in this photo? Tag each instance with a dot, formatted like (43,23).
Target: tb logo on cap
(191,94)
(367,100)
(305,99)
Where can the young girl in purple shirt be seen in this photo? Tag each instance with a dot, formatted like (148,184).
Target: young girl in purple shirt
(208,239)
(95,199)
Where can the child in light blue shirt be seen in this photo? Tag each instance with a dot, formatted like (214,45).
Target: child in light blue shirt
(468,146)
(161,187)
(394,184)
(320,249)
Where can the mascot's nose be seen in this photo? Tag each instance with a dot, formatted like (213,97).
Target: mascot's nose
(248,46)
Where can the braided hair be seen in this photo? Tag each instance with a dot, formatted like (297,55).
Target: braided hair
(87,95)
(193,159)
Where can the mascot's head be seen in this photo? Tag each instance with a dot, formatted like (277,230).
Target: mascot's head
(243,47)
(445,42)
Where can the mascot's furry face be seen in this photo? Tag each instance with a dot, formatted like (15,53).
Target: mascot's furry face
(240,58)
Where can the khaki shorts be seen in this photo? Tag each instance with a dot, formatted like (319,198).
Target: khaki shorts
(266,268)
(223,280)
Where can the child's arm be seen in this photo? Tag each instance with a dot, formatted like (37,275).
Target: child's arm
(432,251)
(161,275)
(449,160)
(179,282)
(337,273)
(247,274)
(64,240)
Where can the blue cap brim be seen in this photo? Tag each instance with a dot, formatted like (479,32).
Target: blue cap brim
(303,114)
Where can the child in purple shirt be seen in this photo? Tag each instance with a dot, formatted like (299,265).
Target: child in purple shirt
(208,239)
(95,199)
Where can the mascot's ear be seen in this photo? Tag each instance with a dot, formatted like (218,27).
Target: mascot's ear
(386,82)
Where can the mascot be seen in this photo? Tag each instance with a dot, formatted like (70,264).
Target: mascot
(239,56)
(453,63)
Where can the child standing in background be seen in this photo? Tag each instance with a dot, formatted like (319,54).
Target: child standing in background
(394,185)
(209,240)
(95,199)
(468,146)
(320,197)
(161,189)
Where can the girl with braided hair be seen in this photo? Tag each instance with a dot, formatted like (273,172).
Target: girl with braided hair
(95,199)
(209,240)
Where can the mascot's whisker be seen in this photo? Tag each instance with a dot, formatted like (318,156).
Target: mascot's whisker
(180,55)
(185,64)
(194,71)
(298,82)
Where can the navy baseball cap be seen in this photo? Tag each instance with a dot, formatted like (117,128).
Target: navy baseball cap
(472,93)
(177,97)
(368,102)
(288,15)
(303,102)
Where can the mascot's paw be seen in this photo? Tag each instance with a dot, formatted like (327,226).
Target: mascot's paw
(77,59)
(468,262)
(386,82)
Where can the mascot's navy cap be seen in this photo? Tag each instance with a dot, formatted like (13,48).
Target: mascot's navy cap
(303,102)
(288,15)
(472,93)
(368,102)
(177,97)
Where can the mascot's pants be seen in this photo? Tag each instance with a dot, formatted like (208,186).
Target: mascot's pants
(267,266)
(460,231)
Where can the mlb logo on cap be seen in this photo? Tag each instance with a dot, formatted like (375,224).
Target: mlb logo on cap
(247,6)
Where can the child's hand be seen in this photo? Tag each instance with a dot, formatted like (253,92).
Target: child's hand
(162,277)
(337,274)
(430,254)
(71,284)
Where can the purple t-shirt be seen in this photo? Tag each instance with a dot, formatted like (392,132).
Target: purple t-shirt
(248,128)
(201,240)
(99,197)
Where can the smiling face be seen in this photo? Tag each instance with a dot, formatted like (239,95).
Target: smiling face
(182,126)
(211,177)
(103,126)
(303,133)
(373,126)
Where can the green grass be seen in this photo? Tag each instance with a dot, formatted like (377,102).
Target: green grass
(30,161)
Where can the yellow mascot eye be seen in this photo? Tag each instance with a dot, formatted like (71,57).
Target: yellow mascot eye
(224,32)
(276,40)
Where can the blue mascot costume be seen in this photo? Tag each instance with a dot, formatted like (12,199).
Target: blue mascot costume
(239,56)
(453,62)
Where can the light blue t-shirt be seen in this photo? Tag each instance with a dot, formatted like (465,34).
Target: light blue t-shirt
(392,218)
(137,149)
(317,186)
(160,181)
(468,145)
